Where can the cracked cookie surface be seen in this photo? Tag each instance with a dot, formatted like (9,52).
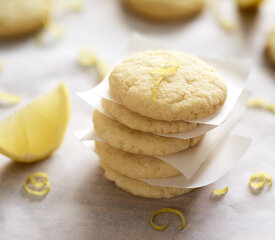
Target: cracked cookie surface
(134,165)
(141,123)
(133,141)
(194,91)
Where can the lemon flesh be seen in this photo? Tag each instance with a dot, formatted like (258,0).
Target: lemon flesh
(37,130)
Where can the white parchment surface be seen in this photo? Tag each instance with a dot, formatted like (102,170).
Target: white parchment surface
(82,204)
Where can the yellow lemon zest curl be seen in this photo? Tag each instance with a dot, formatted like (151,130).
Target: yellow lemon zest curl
(167,210)
(261,103)
(220,192)
(258,180)
(87,58)
(75,5)
(52,28)
(225,23)
(41,188)
(2,65)
(9,98)
(163,72)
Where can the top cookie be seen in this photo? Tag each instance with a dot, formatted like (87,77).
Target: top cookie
(19,17)
(166,9)
(192,90)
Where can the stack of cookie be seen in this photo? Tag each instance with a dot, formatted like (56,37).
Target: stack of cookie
(157,92)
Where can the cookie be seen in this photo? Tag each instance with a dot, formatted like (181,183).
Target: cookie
(165,10)
(133,141)
(270,46)
(249,4)
(141,123)
(139,188)
(133,165)
(192,91)
(19,17)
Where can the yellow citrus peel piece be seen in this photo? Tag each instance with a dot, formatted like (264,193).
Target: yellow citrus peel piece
(167,210)
(225,23)
(220,192)
(51,29)
(39,188)
(9,98)
(258,180)
(2,65)
(87,58)
(75,5)
(261,103)
(163,72)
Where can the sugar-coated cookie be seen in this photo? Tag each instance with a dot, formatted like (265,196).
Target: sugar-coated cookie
(270,46)
(194,90)
(139,188)
(138,122)
(134,165)
(133,141)
(165,10)
(19,17)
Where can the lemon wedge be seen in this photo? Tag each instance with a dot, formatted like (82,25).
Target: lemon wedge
(34,132)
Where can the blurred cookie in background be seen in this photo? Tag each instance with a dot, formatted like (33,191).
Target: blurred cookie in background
(270,46)
(21,17)
(249,4)
(165,10)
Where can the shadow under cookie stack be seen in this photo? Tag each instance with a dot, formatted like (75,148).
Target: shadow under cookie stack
(156,94)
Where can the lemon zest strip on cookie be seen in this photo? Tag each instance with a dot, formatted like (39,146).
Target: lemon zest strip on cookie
(86,58)
(164,72)
(167,210)
(261,103)
(258,180)
(220,192)
(9,98)
(38,184)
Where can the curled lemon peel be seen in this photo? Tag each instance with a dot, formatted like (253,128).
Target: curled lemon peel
(52,28)
(9,98)
(167,210)
(163,72)
(87,58)
(220,192)
(39,185)
(225,23)
(56,30)
(2,65)
(261,103)
(258,180)
(75,5)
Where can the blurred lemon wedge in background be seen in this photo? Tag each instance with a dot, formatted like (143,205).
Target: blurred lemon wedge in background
(35,131)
